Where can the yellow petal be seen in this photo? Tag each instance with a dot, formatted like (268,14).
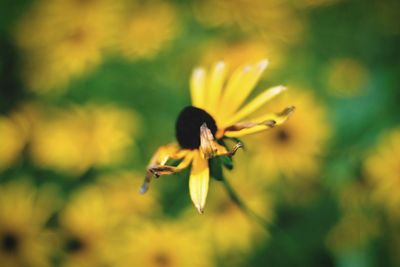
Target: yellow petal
(215,84)
(198,181)
(279,118)
(234,97)
(164,153)
(255,104)
(198,87)
(234,84)
(185,162)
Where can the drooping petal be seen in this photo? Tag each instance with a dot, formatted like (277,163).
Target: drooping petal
(198,181)
(277,118)
(198,87)
(254,104)
(157,163)
(163,153)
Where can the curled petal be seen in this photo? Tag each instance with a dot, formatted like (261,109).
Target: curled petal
(157,163)
(267,121)
(207,144)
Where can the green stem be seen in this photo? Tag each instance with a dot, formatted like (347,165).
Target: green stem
(240,203)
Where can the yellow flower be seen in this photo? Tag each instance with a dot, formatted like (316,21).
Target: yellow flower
(346,77)
(358,224)
(88,227)
(77,138)
(294,148)
(117,189)
(238,53)
(229,227)
(166,244)
(146,29)
(316,3)
(70,38)
(382,168)
(12,141)
(271,19)
(218,111)
(23,213)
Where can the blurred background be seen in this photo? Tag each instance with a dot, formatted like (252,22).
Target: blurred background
(90,88)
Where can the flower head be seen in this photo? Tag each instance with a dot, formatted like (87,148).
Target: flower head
(164,245)
(88,225)
(382,169)
(294,148)
(24,211)
(63,39)
(104,131)
(219,112)
(12,141)
(146,29)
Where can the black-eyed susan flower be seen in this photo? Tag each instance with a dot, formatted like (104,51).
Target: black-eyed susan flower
(146,29)
(271,19)
(346,77)
(382,169)
(164,245)
(296,147)
(358,224)
(12,141)
(70,39)
(88,228)
(117,189)
(243,51)
(24,212)
(57,139)
(219,111)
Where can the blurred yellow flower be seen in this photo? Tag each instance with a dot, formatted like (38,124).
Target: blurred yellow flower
(382,169)
(89,228)
(70,38)
(75,139)
(146,28)
(353,231)
(358,225)
(272,19)
(219,111)
(113,130)
(165,245)
(315,3)
(346,77)
(228,227)
(23,213)
(12,141)
(117,189)
(238,53)
(294,148)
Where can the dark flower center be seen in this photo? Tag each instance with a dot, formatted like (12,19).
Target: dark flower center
(162,260)
(188,126)
(282,136)
(9,242)
(74,245)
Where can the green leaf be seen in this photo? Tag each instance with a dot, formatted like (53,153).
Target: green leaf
(216,168)
(227,162)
